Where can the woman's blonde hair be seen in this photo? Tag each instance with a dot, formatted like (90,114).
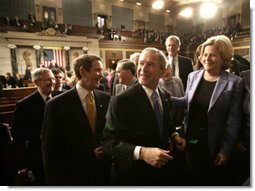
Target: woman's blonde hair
(224,46)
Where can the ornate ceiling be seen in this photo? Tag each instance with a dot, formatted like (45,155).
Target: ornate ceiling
(169,4)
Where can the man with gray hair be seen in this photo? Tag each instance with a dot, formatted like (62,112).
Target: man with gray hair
(181,65)
(27,125)
(135,57)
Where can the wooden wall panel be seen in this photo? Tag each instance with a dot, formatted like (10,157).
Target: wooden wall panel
(112,56)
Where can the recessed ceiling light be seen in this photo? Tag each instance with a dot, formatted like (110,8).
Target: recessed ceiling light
(139,3)
(158,5)
(168,11)
(187,12)
(208,10)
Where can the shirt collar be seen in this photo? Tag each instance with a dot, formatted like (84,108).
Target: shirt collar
(82,92)
(43,96)
(149,91)
(173,58)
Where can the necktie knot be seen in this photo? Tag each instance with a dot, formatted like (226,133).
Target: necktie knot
(89,97)
(155,96)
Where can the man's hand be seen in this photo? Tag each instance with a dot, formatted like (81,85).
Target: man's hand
(221,160)
(99,152)
(155,157)
(180,143)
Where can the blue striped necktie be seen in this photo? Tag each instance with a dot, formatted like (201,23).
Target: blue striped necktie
(158,112)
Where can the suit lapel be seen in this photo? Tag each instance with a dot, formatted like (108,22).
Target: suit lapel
(100,106)
(165,105)
(220,85)
(194,83)
(78,112)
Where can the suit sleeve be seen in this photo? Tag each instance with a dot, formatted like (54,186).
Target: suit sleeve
(52,146)
(19,133)
(233,120)
(115,130)
(182,102)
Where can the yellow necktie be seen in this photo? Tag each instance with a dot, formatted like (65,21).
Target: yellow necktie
(91,113)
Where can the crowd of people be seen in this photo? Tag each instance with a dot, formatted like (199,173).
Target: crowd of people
(31,25)
(157,121)
(193,38)
(187,39)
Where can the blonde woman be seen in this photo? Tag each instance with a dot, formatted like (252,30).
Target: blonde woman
(214,104)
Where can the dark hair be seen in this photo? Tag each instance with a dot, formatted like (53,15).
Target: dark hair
(127,64)
(56,71)
(161,55)
(85,61)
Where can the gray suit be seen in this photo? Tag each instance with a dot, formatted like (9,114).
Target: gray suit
(224,112)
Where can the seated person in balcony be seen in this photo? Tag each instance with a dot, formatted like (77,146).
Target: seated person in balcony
(19,80)
(3,80)
(32,19)
(16,21)
(1,89)
(10,80)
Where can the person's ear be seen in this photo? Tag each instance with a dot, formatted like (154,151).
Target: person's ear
(162,72)
(83,72)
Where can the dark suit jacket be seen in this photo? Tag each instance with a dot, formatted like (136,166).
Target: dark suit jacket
(68,143)
(224,111)
(131,122)
(185,67)
(245,131)
(26,131)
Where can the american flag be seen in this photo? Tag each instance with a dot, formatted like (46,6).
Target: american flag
(53,54)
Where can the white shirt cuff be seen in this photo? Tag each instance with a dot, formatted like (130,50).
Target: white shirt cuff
(137,152)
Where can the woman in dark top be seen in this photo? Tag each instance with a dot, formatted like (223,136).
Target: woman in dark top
(197,127)
(213,101)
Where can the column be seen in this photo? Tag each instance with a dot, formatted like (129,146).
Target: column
(14,63)
(85,50)
(67,60)
(37,55)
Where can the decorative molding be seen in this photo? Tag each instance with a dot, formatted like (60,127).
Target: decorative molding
(37,47)
(85,48)
(50,32)
(30,39)
(66,48)
(11,46)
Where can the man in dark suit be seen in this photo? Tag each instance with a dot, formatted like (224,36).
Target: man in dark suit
(27,125)
(59,76)
(181,66)
(71,148)
(134,136)
(126,72)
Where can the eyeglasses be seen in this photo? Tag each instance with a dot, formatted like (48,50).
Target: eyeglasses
(49,80)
